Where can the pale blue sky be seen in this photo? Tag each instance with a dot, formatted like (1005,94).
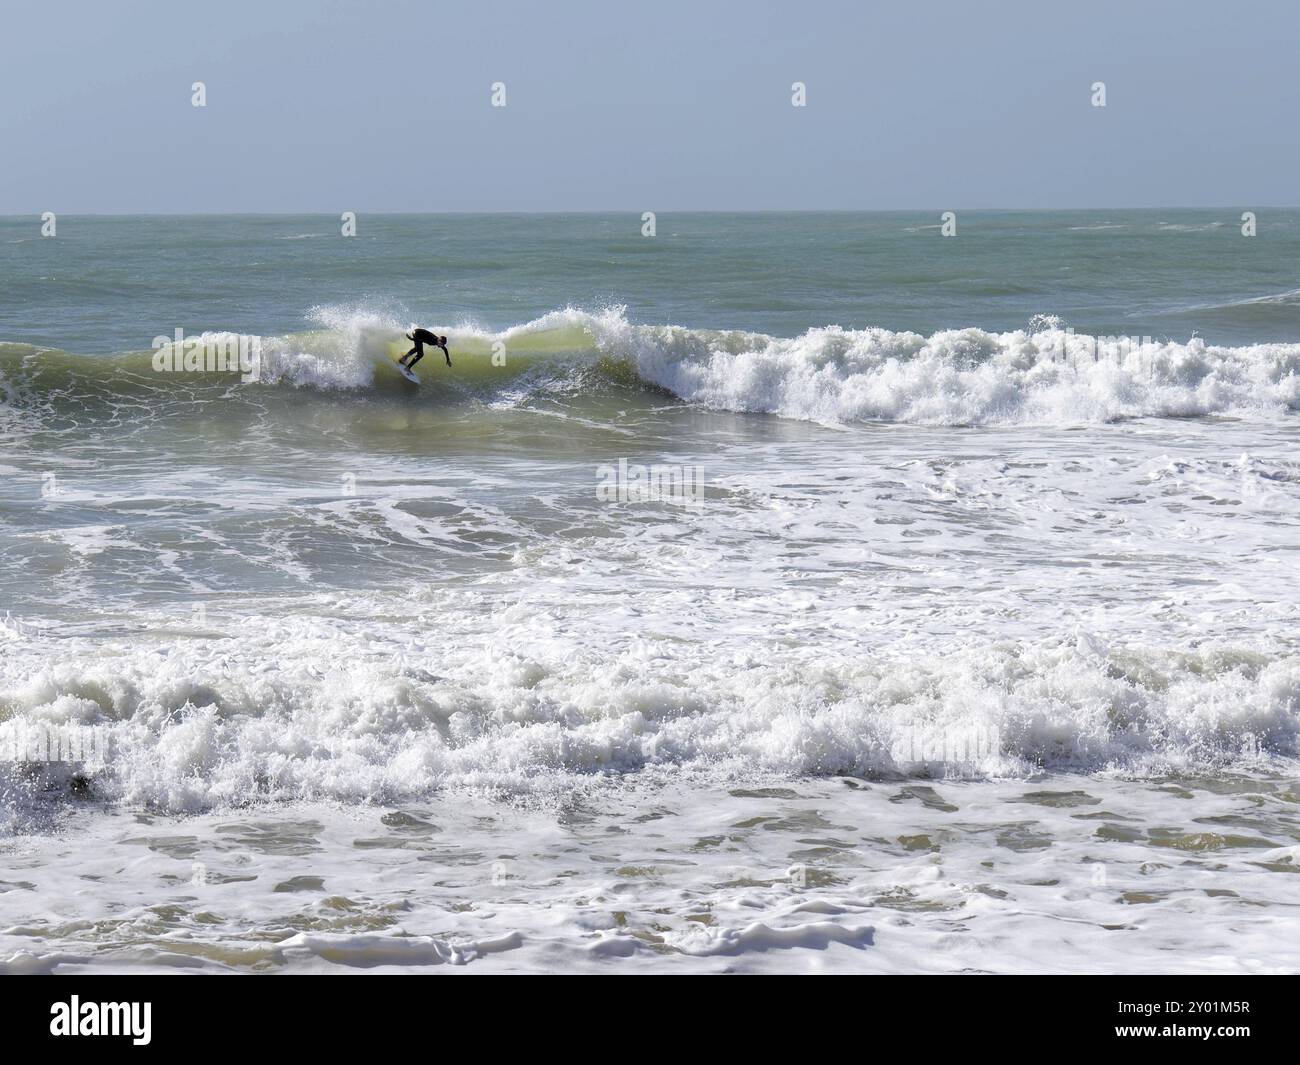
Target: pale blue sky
(383,105)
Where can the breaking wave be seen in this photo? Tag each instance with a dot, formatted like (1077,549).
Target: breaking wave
(1043,375)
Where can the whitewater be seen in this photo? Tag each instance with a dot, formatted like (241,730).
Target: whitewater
(976,653)
(1042,375)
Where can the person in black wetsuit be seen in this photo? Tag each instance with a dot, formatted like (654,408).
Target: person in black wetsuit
(422,337)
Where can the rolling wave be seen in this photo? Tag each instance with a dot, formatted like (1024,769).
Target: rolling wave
(337,713)
(1043,376)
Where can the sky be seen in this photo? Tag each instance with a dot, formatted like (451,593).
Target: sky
(386,105)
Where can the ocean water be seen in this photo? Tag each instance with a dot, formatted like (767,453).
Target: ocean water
(806,592)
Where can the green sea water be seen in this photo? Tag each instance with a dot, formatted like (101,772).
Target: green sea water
(990,583)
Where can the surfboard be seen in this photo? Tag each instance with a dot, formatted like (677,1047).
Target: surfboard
(395,353)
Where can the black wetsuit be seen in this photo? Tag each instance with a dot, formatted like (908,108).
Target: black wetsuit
(422,337)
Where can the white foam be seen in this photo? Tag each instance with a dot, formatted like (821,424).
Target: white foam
(1043,376)
(1069,874)
(313,709)
(963,376)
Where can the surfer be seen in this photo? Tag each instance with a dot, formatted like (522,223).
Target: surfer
(422,337)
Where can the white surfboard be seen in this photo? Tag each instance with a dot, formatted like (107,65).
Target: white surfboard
(395,353)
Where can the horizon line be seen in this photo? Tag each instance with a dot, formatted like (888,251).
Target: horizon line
(657,211)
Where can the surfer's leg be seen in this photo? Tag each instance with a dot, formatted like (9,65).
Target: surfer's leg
(402,360)
(419,354)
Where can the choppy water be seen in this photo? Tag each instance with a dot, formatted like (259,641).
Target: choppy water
(978,638)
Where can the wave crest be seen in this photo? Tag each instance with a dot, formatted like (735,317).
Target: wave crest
(1042,375)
